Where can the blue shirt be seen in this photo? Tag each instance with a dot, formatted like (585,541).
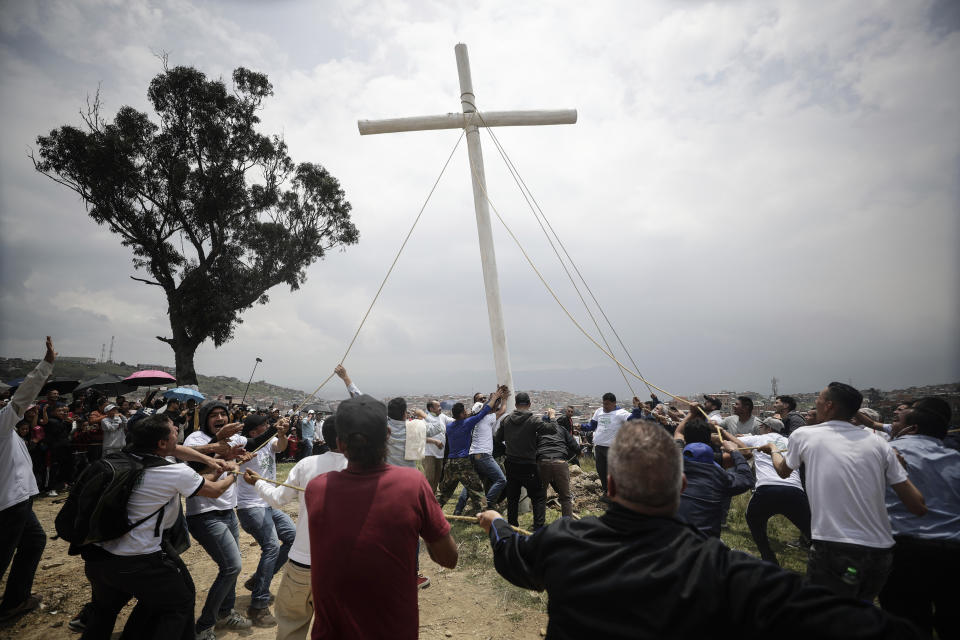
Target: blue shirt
(459,433)
(935,470)
(308,429)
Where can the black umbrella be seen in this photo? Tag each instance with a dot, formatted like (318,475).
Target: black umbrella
(63,385)
(108,384)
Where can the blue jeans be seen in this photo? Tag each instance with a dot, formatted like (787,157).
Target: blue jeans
(218,534)
(274,531)
(494,482)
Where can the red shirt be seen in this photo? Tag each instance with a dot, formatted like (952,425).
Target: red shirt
(364,526)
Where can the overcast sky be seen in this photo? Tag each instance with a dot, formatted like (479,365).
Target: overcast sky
(752,189)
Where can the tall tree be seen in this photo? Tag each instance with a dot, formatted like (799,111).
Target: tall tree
(214,211)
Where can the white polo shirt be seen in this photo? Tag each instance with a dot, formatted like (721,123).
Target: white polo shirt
(848,471)
(482,441)
(228,500)
(160,486)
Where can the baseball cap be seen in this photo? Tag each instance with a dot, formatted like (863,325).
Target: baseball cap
(109,406)
(773,423)
(311,411)
(476,407)
(364,415)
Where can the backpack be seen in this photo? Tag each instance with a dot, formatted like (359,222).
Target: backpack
(96,510)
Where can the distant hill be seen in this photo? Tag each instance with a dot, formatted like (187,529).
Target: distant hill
(261,392)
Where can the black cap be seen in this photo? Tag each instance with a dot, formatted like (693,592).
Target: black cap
(364,415)
(522,398)
(252,422)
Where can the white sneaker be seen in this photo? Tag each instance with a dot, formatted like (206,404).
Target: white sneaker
(51,494)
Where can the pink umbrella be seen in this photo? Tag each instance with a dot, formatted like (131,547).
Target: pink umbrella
(149,378)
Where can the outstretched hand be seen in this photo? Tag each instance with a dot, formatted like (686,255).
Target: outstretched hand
(50,355)
(486,519)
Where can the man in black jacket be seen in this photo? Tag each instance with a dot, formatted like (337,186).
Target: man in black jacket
(675,582)
(519,431)
(554,450)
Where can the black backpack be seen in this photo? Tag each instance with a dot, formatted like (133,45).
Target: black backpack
(96,510)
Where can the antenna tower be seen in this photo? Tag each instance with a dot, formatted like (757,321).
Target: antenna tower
(110,357)
(103,351)
(775,386)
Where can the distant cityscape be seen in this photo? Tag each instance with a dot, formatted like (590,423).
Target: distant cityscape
(262,394)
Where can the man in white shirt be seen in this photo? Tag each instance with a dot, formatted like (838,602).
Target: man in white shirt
(271,528)
(22,539)
(294,607)
(774,495)
(213,523)
(848,470)
(133,565)
(605,423)
(436,439)
(713,407)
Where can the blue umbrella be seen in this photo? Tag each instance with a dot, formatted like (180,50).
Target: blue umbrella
(183,394)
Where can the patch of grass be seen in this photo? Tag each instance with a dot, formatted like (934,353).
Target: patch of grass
(283,470)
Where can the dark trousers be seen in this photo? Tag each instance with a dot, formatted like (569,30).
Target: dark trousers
(601,455)
(526,475)
(770,500)
(161,584)
(557,473)
(923,586)
(850,570)
(21,544)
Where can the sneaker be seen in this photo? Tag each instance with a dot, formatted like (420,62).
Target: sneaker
(261,617)
(23,608)
(51,494)
(206,634)
(423,582)
(233,620)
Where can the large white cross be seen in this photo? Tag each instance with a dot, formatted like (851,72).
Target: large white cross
(471,120)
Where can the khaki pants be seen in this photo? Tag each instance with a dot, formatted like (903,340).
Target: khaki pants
(557,474)
(294,606)
(431,468)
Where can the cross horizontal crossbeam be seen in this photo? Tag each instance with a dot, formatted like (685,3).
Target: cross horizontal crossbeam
(464,120)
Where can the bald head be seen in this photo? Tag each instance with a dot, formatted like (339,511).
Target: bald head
(646,468)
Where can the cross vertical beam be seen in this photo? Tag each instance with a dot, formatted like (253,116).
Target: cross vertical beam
(488,257)
(470,120)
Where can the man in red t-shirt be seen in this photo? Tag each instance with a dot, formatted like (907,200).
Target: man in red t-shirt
(364,523)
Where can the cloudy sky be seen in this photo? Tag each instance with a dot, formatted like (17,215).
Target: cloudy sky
(753,189)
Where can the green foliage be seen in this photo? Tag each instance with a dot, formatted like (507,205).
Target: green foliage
(214,211)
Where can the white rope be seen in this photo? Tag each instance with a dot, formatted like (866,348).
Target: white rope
(528,197)
(392,265)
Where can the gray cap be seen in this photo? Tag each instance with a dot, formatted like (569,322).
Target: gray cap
(773,424)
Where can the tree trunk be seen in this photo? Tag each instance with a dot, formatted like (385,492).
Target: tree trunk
(183,354)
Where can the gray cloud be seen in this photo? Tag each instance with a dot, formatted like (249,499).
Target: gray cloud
(751,189)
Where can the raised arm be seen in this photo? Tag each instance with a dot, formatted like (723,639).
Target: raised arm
(911,497)
(351,388)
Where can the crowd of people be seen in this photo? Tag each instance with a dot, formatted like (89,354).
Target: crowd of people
(876,505)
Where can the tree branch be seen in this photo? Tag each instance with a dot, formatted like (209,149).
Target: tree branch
(156,284)
(169,341)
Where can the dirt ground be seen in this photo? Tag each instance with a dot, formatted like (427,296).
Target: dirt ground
(465,602)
